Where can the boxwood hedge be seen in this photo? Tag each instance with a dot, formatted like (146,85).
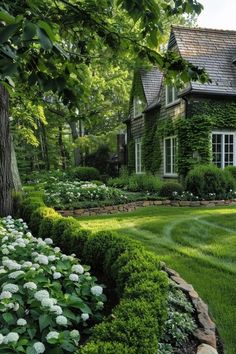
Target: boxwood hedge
(136,322)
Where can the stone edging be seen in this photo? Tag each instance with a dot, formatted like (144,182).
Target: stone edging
(206,331)
(121,208)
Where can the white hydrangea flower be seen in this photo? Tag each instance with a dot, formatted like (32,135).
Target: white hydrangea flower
(39,347)
(11,265)
(96,290)
(11,247)
(56,275)
(5,295)
(41,294)
(52,335)
(56,309)
(30,285)
(53,268)
(48,241)
(21,322)
(47,302)
(16,274)
(52,258)
(35,254)
(57,249)
(77,268)
(74,334)
(42,259)
(16,307)
(13,288)
(73,277)
(61,320)
(11,337)
(10,305)
(1,338)
(5,251)
(85,316)
(27,264)
(35,266)
(2,271)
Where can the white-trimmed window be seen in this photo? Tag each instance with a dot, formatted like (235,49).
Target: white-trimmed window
(171,95)
(138,155)
(223,148)
(170,148)
(138,106)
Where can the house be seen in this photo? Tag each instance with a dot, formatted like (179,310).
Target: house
(169,131)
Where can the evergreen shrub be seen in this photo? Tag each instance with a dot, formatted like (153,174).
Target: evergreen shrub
(207,180)
(170,189)
(128,270)
(85,173)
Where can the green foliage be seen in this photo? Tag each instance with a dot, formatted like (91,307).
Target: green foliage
(99,159)
(169,189)
(231,170)
(137,183)
(206,180)
(99,347)
(149,157)
(131,155)
(85,173)
(137,322)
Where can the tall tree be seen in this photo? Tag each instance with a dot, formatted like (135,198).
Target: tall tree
(36,38)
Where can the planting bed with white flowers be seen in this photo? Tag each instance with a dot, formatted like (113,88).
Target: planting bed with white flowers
(62,194)
(48,301)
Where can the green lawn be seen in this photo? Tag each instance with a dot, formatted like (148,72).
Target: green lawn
(199,243)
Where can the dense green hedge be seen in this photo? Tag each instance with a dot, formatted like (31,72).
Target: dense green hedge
(136,323)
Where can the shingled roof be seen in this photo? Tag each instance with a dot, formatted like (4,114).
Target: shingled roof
(151,81)
(211,49)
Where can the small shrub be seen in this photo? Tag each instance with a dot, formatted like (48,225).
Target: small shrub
(205,180)
(99,347)
(170,189)
(231,170)
(85,174)
(137,183)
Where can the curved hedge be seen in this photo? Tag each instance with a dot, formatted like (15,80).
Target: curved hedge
(136,323)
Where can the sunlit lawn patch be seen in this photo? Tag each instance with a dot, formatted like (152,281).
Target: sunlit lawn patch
(199,243)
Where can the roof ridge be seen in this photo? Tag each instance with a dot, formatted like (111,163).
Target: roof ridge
(203,29)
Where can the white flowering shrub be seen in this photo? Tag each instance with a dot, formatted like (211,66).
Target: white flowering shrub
(48,301)
(59,194)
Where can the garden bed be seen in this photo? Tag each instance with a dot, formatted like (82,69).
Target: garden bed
(138,321)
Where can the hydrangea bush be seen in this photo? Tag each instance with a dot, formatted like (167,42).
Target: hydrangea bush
(48,301)
(60,194)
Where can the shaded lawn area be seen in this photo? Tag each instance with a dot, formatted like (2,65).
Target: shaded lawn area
(200,243)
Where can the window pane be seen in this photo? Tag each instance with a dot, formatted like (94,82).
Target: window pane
(138,157)
(217,149)
(229,150)
(169,94)
(173,155)
(175,93)
(168,156)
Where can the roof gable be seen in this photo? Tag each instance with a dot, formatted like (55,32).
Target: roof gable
(151,81)
(211,49)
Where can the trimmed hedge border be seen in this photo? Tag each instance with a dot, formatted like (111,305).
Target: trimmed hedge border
(141,288)
(121,208)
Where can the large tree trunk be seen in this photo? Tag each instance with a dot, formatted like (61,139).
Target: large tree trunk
(6,204)
(14,169)
(75,135)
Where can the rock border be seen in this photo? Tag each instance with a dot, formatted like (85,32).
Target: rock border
(206,331)
(122,208)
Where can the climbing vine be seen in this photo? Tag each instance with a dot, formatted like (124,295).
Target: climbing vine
(193,133)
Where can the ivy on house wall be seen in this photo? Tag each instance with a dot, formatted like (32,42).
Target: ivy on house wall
(149,143)
(203,116)
(193,133)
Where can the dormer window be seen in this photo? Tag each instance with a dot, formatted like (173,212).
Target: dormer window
(171,95)
(138,106)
